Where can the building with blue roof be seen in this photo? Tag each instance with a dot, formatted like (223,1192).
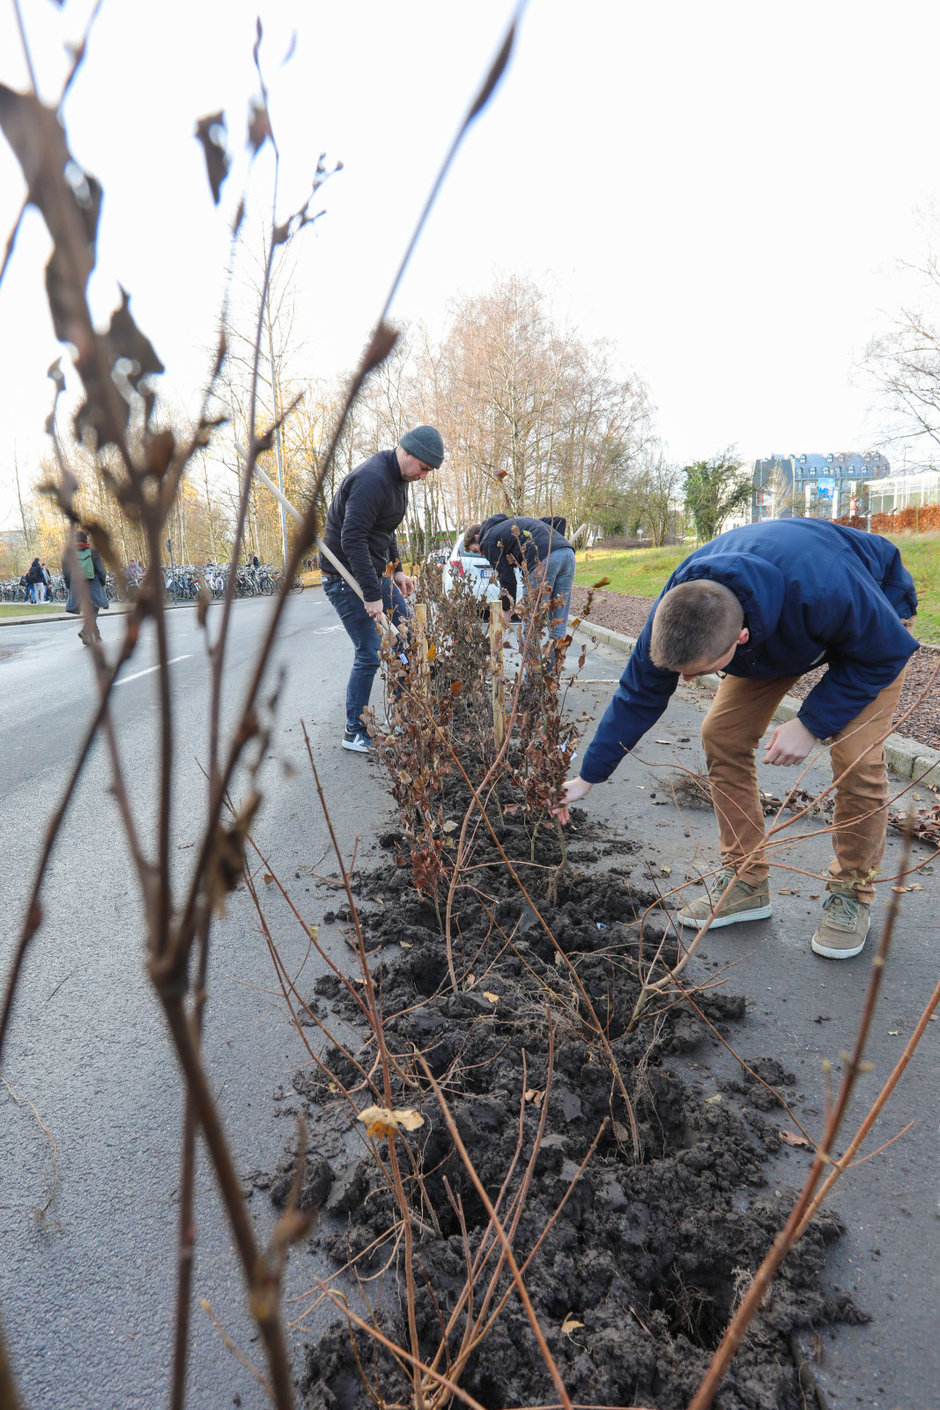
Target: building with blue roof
(814,486)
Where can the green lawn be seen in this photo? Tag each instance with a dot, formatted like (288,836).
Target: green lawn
(641,572)
(29,609)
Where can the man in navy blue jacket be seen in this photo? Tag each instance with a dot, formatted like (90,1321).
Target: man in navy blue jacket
(536,545)
(360,531)
(762,605)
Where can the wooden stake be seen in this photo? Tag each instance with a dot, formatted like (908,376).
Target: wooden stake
(421,642)
(497,677)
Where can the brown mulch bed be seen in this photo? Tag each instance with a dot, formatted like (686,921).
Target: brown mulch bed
(920,696)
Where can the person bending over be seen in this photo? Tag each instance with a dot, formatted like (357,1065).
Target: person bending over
(536,545)
(762,605)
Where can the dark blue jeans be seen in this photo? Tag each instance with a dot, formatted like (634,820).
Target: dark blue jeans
(558,582)
(365,637)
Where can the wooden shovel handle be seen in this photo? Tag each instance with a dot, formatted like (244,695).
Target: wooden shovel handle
(381,620)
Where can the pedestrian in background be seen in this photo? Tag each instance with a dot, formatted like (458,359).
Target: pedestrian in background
(34,580)
(360,529)
(81,562)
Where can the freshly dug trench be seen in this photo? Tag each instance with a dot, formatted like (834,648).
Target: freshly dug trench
(641,1257)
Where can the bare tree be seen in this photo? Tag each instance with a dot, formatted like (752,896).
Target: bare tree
(655,497)
(534,418)
(905,363)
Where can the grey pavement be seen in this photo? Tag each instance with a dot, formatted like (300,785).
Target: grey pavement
(804,1011)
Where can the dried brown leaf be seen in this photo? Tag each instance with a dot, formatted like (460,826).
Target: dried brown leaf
(792,1139)
(380,345)
(211,133)
(259,127)
(70,202)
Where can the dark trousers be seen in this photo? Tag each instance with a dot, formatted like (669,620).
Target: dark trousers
(365,637)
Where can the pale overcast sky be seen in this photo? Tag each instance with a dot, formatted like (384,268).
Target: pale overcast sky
(722,189)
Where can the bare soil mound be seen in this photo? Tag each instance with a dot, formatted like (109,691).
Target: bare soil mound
(630,1183)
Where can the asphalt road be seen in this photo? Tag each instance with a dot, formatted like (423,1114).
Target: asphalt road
(86,1289)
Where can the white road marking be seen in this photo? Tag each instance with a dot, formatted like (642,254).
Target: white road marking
(150,669)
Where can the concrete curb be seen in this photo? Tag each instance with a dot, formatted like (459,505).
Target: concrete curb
(62,616)
(905,757)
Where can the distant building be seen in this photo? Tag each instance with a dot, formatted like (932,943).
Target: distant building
(813,486)
(908,491)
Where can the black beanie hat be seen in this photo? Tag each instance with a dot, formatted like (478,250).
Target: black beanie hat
(425,444)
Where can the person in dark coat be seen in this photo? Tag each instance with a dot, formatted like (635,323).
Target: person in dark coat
(536,546)
(762,605)
(360,531)
(34,577)
(85,577)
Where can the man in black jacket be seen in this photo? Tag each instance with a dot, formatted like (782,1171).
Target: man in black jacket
(534,546)
(34,577)
(360,531)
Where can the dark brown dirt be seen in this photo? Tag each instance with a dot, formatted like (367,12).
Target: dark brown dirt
(920,698)
(634,1279)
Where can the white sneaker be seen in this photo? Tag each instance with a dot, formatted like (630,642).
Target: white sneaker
(357,741)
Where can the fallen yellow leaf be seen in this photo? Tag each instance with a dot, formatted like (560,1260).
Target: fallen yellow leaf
(383,1121)
(493,998)
(570,1324)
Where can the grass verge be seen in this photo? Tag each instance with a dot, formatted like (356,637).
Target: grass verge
(30,609)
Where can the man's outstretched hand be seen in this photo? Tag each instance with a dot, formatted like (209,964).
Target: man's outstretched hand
(572,792)
(789,744)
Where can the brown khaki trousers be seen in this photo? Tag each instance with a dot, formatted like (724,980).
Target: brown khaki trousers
(739,717)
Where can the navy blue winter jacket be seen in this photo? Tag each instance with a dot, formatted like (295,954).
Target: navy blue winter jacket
(511,542)
(812,592)
(361,522)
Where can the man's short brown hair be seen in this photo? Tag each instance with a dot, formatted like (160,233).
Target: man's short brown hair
(694,622)
(471,533)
